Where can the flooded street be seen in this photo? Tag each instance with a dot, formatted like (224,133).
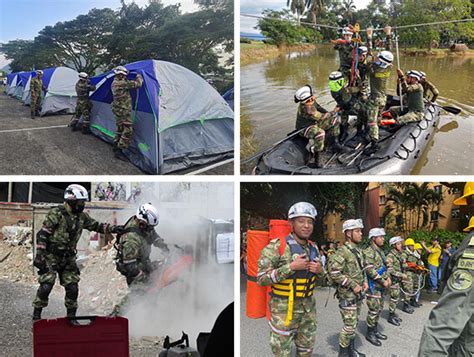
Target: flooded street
(267,90)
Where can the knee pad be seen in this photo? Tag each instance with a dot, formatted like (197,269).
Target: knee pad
(44,290)
(72,291)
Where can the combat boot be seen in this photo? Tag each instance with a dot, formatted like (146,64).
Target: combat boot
(86,130)
(352,350)
(314,161)
(71,312)
(37,313)
(378,334)
(415,303)
(371,337)
(392,320)
(338,147)
(397,317)
(406,308)
(32,115)
(343,352)
(344,133)
(73,125)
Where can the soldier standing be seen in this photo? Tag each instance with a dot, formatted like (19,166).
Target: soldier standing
(378,279)
(56,248)
(409,284)
(346,268)
(36,90)
(317,122)
(134,248)
(346,51)
(290,267)
(122,107)
(450,327)
(395,267)
(83,105)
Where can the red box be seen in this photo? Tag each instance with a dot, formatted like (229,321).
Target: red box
(95,336)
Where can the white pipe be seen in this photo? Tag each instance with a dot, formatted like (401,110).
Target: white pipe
(399,82)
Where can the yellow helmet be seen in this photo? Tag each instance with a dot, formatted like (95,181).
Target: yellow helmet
(470,227)
(468,191)
(409,241)
(418,246)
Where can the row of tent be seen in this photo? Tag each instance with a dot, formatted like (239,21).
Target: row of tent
(180,120)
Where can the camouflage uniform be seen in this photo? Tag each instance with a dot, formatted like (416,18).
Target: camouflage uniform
(122,107)
(348,99)
(396,264)
(408,284)
(430,92)
(299,324)
(450,327)
(375,260)
(36,90)
(135,247)
(346,52)
(378,78)
(316,124)
(83,104)
(345,270)
(415,107)
(60,233)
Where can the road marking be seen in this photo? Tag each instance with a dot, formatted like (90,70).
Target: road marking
(38,128)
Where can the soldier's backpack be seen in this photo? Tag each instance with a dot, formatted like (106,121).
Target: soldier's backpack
(119,248)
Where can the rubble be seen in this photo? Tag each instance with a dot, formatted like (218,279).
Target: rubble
(102,286)
(17,235)
(16,263)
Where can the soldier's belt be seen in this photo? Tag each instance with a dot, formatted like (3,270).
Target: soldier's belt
(61,252)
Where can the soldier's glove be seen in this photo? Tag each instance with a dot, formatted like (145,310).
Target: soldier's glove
(117,229)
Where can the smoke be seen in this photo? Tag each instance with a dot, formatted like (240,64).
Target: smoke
(192,302)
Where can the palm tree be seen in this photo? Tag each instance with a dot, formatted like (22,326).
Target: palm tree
(348,10)
(315,8)
(297,7)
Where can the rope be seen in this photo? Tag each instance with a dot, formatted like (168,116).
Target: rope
(294,22)
(421,285)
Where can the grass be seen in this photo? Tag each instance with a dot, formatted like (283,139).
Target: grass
(257,51)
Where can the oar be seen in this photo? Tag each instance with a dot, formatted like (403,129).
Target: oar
(449,109)
(290,135)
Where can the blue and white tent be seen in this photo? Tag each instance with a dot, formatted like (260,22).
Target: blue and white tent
(179,119)
(15,85)
(10,77)
(60,97)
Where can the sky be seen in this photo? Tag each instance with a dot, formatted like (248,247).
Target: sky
(34,15)
(255,7)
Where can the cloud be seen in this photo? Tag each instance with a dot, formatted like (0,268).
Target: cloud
(252,7)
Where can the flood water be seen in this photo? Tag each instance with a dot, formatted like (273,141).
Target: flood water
(268,87)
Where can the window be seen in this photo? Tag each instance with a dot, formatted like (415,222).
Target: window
(455,213)
(381,200)
(434,216)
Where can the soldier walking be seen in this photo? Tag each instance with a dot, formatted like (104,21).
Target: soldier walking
(378,280)
(122,107)
(396,266)
(36,90)
(83,104)
(346,269)
(56,248)
(134,248)
(290,267)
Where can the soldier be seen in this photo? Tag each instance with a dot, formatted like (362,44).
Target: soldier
(395,267)
(378,71)
(122,107)
(415,109)
(378,279)
(450,327)
(56,248)
(430,92)
(317,122)
(346,271)
(134,248)
(409,284)
(290,267)
(84,105)
(36,90)
(346,51)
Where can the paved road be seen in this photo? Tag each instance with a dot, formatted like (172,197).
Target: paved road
(402,342)
(46,146)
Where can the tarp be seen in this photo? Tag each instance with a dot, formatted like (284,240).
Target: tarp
(25,83)
(179,119)
(60,97)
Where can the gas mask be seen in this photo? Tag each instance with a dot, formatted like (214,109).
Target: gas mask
(77,206)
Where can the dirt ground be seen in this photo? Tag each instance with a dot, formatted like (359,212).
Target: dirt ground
(46,146)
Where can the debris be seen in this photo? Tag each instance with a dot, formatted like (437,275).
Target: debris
(16,235)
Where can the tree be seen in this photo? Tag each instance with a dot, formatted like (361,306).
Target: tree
(348,10)
(297,7)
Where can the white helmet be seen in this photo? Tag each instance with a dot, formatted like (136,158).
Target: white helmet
(148,213)
(76,192)
(347,31)
(334,76)
(376,232)
(386,57)
(83,75)
(303,94)
(121,70)
(423,74)
(352,224)
(395,240)
(39,71)
(363,50)
(302,209)
(415,74)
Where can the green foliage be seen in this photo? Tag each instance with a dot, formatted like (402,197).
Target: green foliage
(286,32)
(421,235)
